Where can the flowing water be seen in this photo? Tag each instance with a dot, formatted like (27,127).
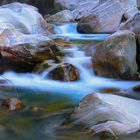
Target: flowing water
(57,99)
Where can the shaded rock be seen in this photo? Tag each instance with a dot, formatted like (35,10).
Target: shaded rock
(18,49)
(26,19)
(116,56)
(64,72)
(106,113)
(65,4)
(138,50)
(132,24)
(12,104)
(105,18)
(61,17)
(44,6)
(137,88)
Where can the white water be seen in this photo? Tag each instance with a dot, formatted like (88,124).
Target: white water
(88,82)
(70,30)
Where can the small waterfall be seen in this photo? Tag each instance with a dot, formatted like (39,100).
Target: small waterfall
(70,30)
(88,82)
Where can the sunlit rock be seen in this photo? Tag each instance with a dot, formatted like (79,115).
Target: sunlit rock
(64,72)
(105,18)
(22,17)
(116,56)
(106,113)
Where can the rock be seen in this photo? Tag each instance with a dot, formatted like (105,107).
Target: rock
(61,17)
(137,88)
(65,4)
(84,9)
(26,19)
(39,68)
(138,4)
(132,24)
(130,13)
(128,4)
(138,50)
(24,50)
(116,56)
(44,6)
(106,113)
(64,72)
(12,104)
(105,18)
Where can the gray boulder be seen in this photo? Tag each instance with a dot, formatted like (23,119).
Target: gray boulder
(106,113)
(116,56)
(105,18)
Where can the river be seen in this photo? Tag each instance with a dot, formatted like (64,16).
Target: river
(57,99)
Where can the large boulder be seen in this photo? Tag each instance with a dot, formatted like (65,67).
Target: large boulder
(22,17)
(105,18)
(106,113)
(84,9)
(116,56)
(18,49)
(64,72)
(133,24)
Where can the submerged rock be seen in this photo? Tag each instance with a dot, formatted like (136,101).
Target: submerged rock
(64,72)
(116,56)
(12,104)
(106,113)
(105,18)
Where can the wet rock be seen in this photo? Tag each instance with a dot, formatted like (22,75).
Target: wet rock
(61,17)
(23,50)
(64,72)
(12,104)
(107,114)
(105,18)
(39,68)
(137,88)
(132,24)
(116,56)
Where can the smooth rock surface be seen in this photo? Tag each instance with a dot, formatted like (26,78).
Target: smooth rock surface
(106,113)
